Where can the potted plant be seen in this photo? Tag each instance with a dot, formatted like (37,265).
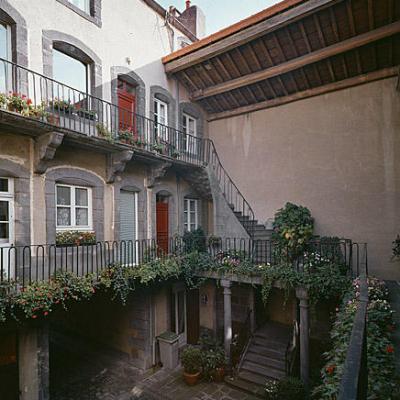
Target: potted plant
(214,364)
(191,360)
(126,137)
(103,132)
(158,148)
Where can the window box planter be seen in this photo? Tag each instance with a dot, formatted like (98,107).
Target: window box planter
(88,114)
(75,238)
(62,106)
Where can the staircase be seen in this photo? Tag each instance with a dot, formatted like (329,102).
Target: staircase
(264,359)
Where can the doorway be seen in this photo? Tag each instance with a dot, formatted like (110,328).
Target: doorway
(126,106)
(178,312)
(162,222)
(7,267)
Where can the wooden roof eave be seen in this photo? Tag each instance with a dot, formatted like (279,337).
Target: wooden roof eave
(173,65)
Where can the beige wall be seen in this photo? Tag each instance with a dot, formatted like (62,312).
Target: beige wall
(337,154)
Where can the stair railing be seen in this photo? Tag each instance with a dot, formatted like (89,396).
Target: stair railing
(230,191)
(241,342)
(292,349)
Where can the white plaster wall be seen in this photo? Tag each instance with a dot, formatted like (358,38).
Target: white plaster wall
(129,29)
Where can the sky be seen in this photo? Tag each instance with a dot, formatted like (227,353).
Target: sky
(222,13)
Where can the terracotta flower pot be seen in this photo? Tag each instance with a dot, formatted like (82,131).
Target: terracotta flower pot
(219,374)
(191,379)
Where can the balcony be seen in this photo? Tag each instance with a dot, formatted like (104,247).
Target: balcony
(33,103)
(23,265)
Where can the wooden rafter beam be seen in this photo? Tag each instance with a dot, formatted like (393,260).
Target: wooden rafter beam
(332,87)
(248,34)
(291,65)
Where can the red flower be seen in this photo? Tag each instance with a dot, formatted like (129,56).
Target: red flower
(46,313)
(330,369)
(389,349)
(34,316)
(29,102)
(93,290)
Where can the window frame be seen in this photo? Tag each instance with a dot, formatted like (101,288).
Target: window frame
(87,6)
(159,126)
(73,206)
(87,71)
(9,197)
(185,127)
(187,211)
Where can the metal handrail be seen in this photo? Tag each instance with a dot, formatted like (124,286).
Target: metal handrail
(72,109)
(32,263)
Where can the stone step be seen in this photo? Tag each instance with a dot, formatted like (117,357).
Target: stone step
(252,378)
(277,353)
(276,343)
(246,387)
(277,363)
(265,372)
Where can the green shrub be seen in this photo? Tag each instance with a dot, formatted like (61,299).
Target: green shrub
(293,229)
(195,241)
(212,359)
(286,389)
(191,359)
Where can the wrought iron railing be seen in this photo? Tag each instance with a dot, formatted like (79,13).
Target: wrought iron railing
(354,381)
(64,107)
(28,264)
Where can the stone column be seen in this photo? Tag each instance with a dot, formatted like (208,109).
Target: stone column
(302,295)
(33,362)
(226,284)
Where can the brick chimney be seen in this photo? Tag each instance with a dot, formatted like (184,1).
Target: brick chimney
(193,19)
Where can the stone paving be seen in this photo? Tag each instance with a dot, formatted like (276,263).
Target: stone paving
(107,376)
(169,385)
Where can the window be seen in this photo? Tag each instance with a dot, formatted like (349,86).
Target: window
(74,207)
(71,72)
(84,5)
(6,210)
(189,128)
(5,53)
(191,215)
(161,117)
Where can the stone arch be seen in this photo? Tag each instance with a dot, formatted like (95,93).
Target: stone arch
(134,79)
(19,32)
(75,48)
(74,176)
(22,199)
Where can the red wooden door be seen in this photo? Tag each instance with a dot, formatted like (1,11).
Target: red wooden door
(162,226)
(126,111)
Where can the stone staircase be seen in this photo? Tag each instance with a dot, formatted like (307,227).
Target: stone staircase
(263,360)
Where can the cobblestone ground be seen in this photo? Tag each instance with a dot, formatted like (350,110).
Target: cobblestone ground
(99,376)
